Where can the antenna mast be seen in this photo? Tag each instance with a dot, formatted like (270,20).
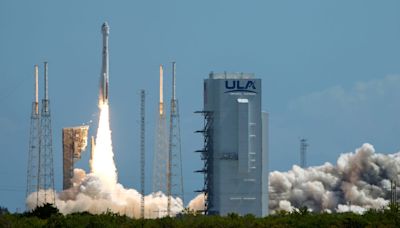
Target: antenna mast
(45,169)
(142,150)
(34,143)
(161,144)
(303,153)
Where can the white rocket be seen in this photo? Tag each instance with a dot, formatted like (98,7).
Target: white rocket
(104,69)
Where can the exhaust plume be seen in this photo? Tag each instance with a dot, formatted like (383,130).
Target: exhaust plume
(359,181)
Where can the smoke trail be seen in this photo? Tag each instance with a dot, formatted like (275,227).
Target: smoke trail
(358,181)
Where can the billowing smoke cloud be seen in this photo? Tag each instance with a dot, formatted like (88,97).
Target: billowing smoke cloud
(197,204)
(358,181)
(99,191)
(89,194)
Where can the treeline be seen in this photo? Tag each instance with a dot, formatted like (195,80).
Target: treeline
(48,216)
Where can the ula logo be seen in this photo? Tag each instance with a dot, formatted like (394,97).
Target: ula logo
(240,86)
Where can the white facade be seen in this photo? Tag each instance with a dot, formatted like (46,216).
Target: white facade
(238,175)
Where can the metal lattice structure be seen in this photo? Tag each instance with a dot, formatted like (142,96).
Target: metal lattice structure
(142,150)
(161,146)
(303,153)
(206,156)
(45,169)
(174,171)
(34,144)
(393,192)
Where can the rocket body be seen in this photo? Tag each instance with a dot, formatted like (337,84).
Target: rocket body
(104,77)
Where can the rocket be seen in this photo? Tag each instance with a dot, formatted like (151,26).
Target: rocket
(105,30)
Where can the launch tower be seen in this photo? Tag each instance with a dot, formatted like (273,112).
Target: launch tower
(161,145)
(46,170)
(34,143)
(174,165)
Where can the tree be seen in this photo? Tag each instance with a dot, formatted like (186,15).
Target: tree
(45,211)
(3,211)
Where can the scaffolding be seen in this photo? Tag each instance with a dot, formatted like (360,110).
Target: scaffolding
(142,150)
(161,145)
(393,192)
(46,169)
(206,156)
(34,144)
(174,165)
(303,153)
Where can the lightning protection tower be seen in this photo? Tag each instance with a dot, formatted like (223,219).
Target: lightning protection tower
(174,171)
(393,192)
(142,150)
(45,169)
(303,153)
(161,145)
(34,144)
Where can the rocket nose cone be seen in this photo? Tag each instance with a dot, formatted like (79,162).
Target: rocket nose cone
(105,28)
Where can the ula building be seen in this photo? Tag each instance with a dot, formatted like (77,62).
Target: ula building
(235,145)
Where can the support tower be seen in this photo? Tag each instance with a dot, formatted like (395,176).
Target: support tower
(45,169)
(303,153)
(161,145)
(206,156)
(142,150)
(174,171)
(34,143)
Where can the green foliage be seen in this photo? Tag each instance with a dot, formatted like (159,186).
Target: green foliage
(302,211)
(44,211)
(302,217)
(394,207)
(3,211)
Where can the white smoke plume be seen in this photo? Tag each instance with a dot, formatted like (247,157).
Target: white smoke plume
(358,181)
(92,195)
(99,191)
(197,203)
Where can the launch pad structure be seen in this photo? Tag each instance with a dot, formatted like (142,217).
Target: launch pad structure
(34,142)
(46,169)
(174,165)
(40,158)
(303,153)
(161,145)
(142,151)
(206,156)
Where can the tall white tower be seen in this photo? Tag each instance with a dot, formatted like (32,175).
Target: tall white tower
(34,143)
(161,144)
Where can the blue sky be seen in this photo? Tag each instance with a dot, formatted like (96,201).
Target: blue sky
(330,72)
